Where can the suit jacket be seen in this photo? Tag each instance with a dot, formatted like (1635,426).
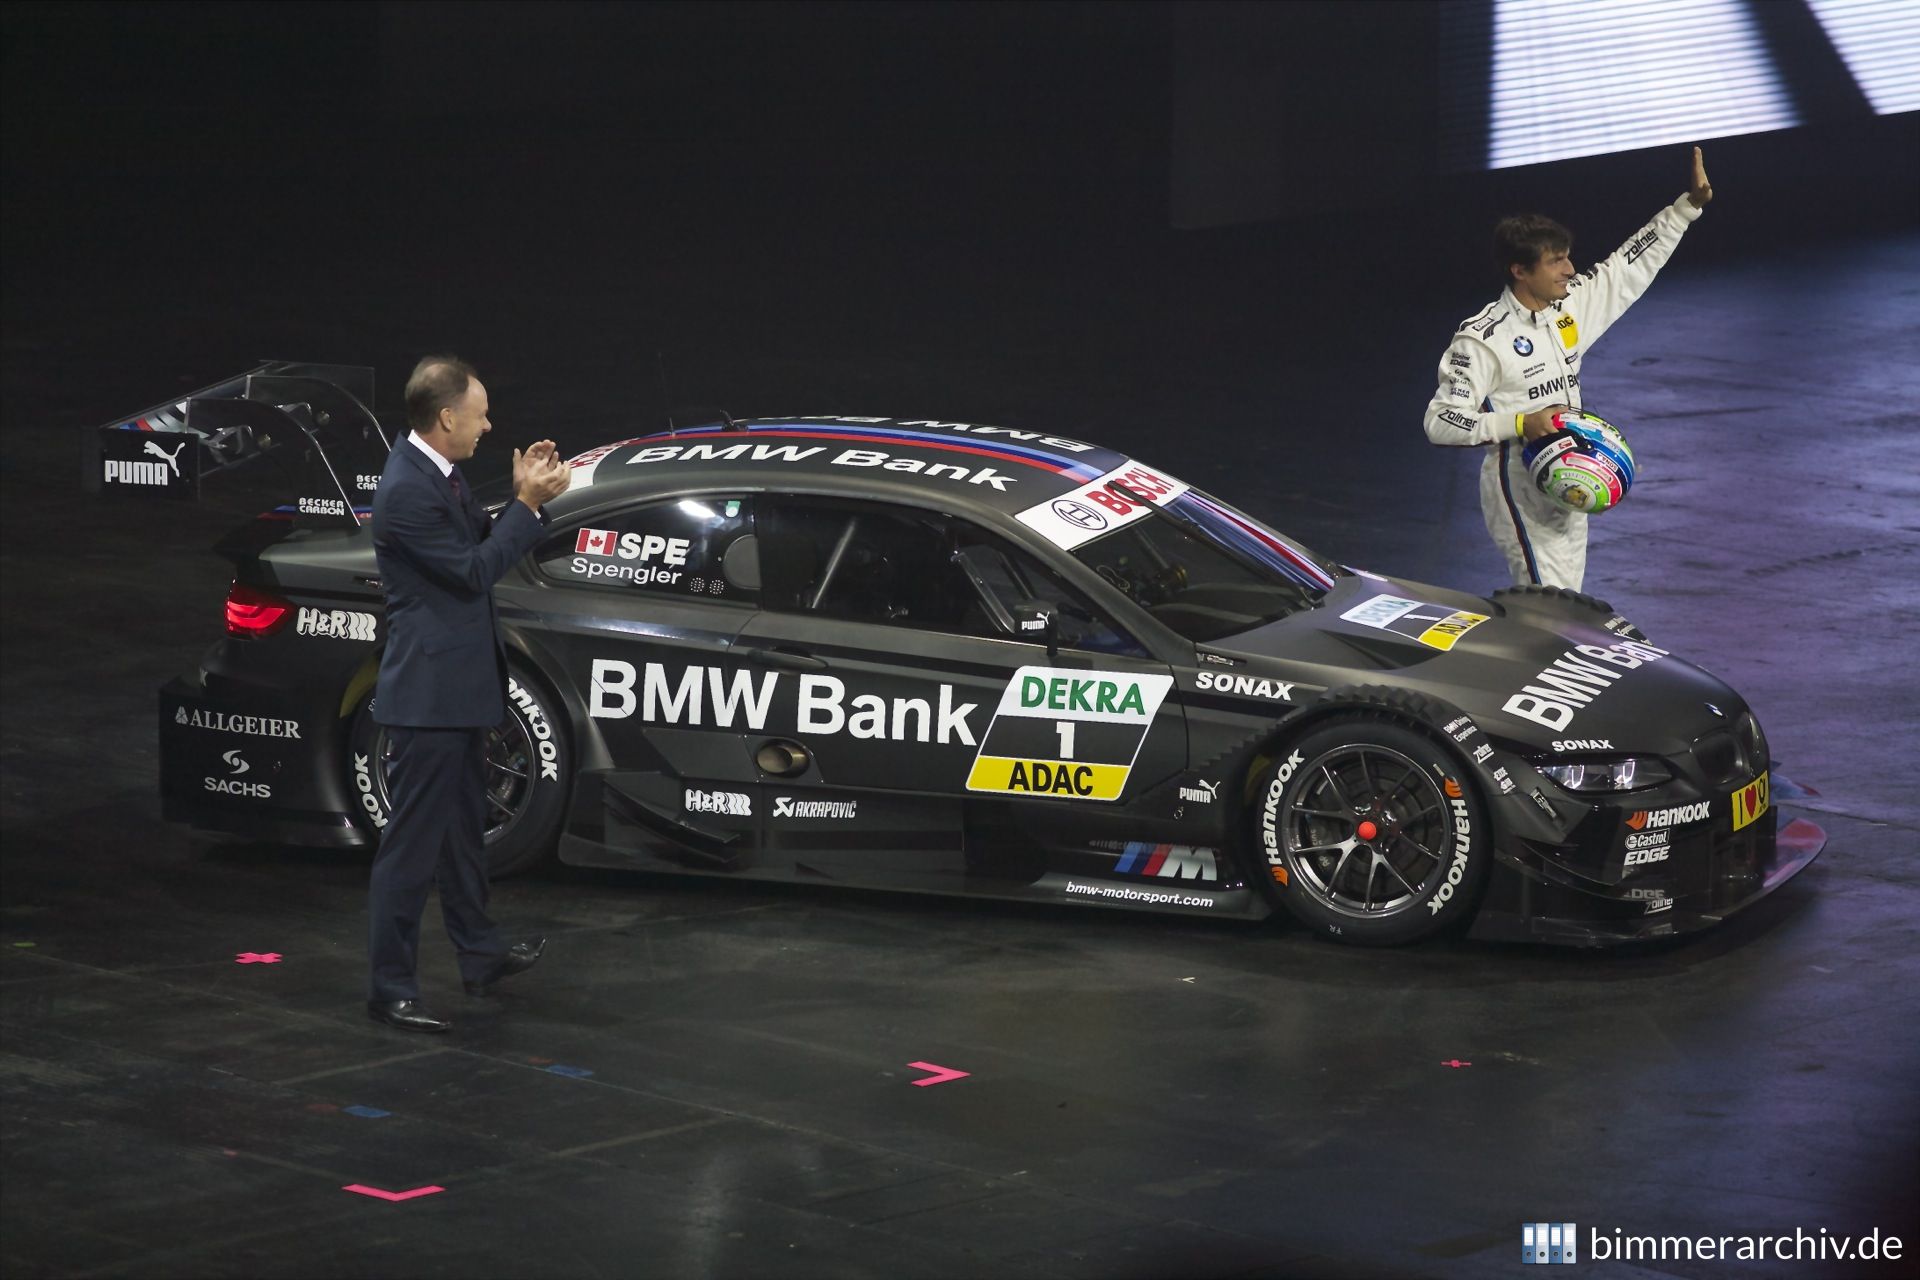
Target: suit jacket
(439,555)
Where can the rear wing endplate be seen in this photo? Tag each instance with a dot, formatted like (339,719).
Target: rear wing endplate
(311,422)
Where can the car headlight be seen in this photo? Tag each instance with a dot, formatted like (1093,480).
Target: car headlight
(1630,774)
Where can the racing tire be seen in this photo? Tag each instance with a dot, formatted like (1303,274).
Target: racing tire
(1370,833)
(528,769)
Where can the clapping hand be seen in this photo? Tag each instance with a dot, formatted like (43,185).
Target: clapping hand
(539,474)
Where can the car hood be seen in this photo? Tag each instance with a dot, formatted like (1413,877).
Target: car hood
(1543,670)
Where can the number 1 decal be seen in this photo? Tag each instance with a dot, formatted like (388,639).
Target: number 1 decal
(1065,729)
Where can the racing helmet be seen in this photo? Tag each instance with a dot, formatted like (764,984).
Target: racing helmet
(1584,465)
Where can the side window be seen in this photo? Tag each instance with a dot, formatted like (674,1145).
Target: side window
(908,568)
(861,562)
(1008,575)
(700,546)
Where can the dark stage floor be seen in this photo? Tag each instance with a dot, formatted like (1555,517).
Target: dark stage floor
(715,1079)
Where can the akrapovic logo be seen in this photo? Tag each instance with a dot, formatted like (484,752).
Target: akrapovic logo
(788,807)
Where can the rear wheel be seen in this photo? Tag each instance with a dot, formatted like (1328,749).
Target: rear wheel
(527,772)
(1371,833)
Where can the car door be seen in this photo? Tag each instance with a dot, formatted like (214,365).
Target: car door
(919,722)
(638,610)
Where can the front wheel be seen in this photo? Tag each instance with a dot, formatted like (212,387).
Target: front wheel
(527,772)
(1371,833)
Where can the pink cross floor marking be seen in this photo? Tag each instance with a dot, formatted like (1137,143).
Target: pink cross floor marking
(395,1196)
(941,1074)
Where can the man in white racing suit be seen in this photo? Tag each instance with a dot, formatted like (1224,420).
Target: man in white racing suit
(1517,360)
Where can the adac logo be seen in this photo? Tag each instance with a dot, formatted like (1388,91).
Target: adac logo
(1569,332)
(1523,345)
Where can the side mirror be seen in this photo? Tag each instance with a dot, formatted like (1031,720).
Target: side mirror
(1037,621)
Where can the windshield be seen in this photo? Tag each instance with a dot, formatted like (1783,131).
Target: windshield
(1206,570)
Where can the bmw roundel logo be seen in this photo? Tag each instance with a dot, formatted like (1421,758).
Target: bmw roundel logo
(1079,513)
(1523,345)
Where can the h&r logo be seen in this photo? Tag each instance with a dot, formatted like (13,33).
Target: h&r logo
(1549,1242)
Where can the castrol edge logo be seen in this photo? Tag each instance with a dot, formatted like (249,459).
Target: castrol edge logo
(1083,514)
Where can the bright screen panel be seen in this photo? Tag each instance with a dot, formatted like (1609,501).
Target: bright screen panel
(1879,40)
(1614,75)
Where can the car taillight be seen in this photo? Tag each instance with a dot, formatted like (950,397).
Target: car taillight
(253,613)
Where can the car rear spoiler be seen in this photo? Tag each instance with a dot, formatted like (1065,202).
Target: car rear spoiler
(311,420)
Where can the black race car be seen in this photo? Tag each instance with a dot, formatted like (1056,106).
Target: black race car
(956,658)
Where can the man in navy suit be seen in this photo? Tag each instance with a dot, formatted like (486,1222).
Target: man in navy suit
(443,684)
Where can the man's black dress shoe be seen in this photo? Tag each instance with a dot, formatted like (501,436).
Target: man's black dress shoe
(408,1015)
(520,958)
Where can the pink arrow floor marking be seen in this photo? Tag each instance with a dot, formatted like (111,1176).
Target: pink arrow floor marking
(940,1074)
(257,957)
(396,1196)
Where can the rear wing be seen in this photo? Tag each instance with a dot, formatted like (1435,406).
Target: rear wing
(309,422)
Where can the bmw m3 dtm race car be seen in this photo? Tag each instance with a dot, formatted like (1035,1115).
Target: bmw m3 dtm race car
(955,658)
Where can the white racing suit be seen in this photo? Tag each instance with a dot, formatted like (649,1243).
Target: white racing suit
(1507,360)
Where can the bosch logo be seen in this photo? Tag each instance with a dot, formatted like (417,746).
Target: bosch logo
(1078,513)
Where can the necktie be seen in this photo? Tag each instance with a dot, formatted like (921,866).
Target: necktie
(459,493)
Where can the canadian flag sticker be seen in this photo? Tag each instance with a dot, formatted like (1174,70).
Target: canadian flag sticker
(596,542)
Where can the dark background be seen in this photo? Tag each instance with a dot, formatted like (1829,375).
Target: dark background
(1221,238)
(1038,215)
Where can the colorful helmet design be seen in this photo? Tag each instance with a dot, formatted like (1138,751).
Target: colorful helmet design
(1585,465)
